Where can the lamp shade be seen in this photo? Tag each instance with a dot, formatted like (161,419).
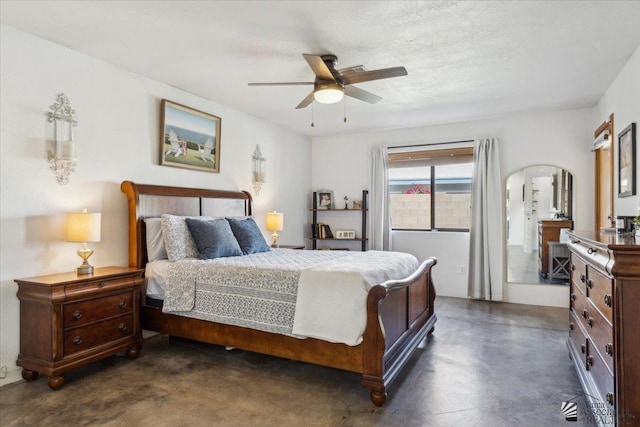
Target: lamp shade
(275,221)
(83,227)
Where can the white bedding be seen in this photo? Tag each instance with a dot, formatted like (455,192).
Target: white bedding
(280,291)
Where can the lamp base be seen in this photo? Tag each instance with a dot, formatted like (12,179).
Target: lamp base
(274,237)
(85,269)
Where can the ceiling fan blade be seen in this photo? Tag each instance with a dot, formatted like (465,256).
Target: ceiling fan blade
(282,84)
(305,102)
(350,77)
(319,67)
(360,94)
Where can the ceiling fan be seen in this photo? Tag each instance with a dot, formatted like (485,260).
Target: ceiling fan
(331,85)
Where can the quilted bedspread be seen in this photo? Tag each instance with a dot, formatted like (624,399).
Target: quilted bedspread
(261,291)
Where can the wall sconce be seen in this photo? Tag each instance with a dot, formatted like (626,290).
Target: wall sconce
(62,160)
(84,227)
(258,167)
(275,223)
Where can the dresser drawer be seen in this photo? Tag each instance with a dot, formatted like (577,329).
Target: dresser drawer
(92,287)
(600,292)
(577,336)
(601,335)
(97,333)
(81,313)
(600,375)
(579,274)
(581,309)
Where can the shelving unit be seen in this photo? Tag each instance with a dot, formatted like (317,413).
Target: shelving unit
(363,229)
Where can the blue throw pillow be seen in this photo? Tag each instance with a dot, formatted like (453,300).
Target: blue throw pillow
(213,238)
(248,235)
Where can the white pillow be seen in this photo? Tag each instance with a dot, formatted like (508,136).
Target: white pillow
(177,238)
(155,242)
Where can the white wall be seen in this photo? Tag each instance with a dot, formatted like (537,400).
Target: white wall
(623,100)
(117,139)
(556,138)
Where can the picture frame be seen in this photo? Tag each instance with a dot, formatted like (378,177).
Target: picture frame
(345,234)
(189,138)
(627,161)
(356,204)
(325,200)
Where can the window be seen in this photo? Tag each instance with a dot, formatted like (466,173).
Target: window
(431,189)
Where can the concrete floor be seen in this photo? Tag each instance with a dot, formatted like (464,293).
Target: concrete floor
(487,364)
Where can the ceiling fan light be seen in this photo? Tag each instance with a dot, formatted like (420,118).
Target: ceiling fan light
(328,93)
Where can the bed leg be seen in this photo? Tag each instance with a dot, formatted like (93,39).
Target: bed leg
(431,330)
(378,397)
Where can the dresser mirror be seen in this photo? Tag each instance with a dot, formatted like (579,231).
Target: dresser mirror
(539,205)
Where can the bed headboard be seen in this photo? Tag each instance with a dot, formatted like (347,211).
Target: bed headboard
(146,201)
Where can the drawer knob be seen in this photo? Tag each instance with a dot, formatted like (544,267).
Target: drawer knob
(583,278)
(77,340)
(571,326)
(77,314)
(122,303)
(573,267)
(590,284)
(583,348)
(610,398)
(591,251)
(122,327)
(607,300)
(590,321)
(608,348)
(573,296)
(584,313)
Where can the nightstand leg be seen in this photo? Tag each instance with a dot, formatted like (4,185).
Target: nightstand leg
(132,352)
(56,382)
(29,375)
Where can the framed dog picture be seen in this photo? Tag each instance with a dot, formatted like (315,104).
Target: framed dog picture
(189,138)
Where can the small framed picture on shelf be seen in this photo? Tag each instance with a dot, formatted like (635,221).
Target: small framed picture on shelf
(357,204)
(345,234)
(324,199)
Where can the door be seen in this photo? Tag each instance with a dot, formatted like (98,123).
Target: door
(604,177)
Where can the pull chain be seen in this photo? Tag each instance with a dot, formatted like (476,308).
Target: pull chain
(345,109)
(312,125)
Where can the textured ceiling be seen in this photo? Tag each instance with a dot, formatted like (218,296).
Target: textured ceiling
(465,59)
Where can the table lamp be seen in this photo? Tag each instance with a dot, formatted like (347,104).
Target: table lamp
(275,221)
(84,227)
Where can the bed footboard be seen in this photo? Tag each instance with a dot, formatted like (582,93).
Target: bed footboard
(400,315)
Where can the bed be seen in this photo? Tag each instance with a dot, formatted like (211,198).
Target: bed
(399,313)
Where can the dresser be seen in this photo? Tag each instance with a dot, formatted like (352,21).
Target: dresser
(68,320)
(604,323)
(549,231)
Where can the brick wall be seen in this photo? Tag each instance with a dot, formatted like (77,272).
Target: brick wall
(411,211)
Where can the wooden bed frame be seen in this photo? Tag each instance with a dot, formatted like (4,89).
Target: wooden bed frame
(399,313)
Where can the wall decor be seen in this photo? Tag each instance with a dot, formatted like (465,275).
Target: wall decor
(62,159)
(258,170)
(627,161)
(324,199)
(189,138)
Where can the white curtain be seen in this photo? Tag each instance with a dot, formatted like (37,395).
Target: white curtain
(380,234)
(485,260)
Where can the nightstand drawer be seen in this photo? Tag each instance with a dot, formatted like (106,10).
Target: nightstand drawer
(97,333)
(81,313)
(93,287)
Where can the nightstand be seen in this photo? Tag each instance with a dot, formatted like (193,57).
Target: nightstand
(290,246)
(68,320)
